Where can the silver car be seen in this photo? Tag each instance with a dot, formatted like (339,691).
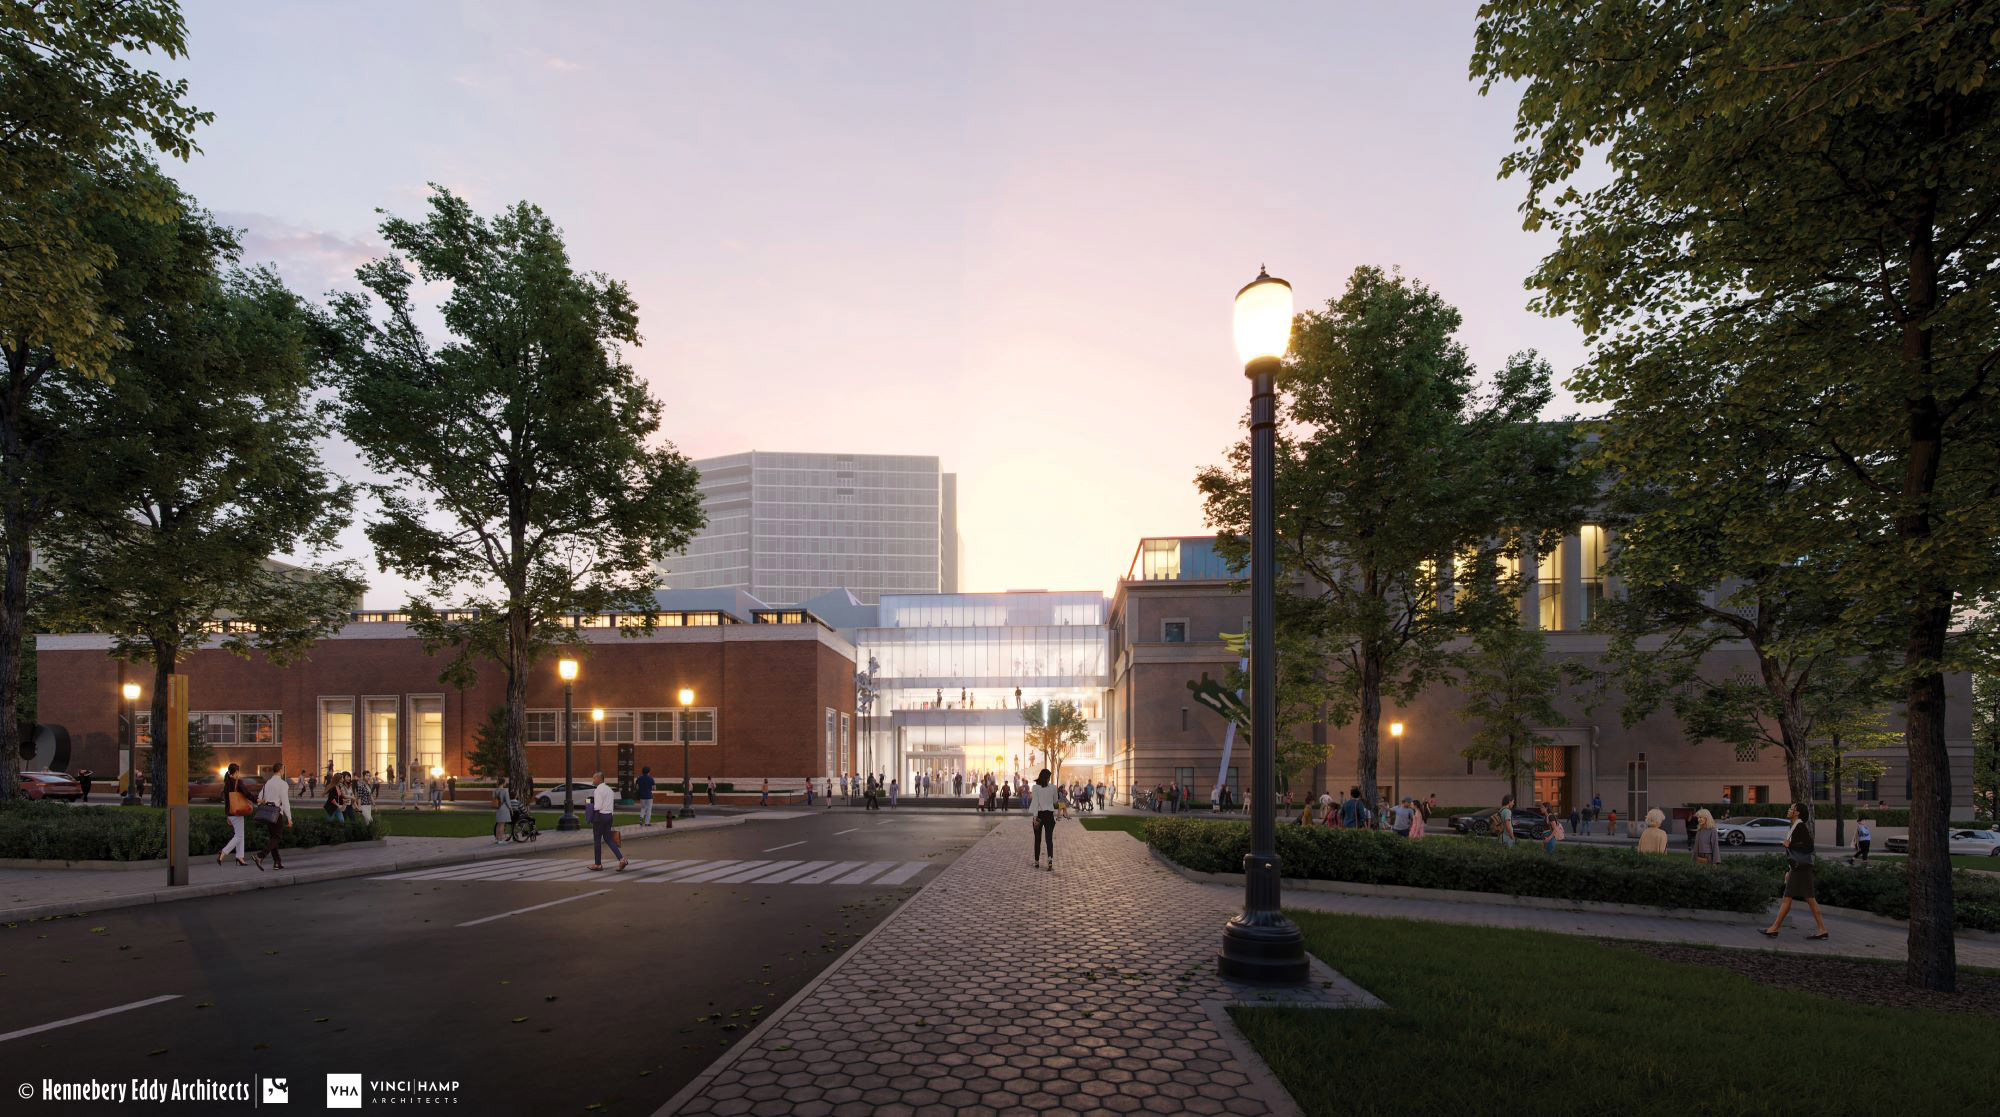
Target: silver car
(1742,830)
(553,796)
(1963,843)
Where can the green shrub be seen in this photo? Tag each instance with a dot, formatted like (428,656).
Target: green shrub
(1747,883)
(51,831)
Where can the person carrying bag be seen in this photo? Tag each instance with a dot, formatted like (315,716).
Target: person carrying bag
(238,807)
(274,811)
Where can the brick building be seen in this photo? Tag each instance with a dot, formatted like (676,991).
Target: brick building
(774,697)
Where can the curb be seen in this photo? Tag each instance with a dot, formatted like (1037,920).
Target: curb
(722,1062)
(151,863)
(315,876)
(1499,899)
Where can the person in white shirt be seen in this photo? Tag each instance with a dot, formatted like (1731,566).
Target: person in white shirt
(1043,805)
(603,802)
(277,794)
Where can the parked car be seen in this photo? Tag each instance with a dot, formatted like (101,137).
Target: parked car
(553,796)
(1974,843)
(49,785)
(1528,822)
(1741,830)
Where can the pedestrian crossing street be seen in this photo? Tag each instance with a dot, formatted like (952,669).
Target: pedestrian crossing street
(875,874)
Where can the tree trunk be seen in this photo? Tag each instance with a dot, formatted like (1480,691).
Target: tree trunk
(1791,736)
(13,621)
(1932,955)
(1367,756)
(164,657)
(519,780)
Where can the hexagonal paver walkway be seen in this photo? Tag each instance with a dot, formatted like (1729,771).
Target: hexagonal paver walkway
(1003,990)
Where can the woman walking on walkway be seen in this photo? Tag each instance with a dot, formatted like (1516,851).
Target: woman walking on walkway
(1799,877)
(1044,807)
(274,810)
(238,806)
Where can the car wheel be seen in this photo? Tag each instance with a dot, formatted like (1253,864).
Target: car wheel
(1735,838)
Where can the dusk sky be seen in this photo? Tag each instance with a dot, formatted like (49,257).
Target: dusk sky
(1007,235)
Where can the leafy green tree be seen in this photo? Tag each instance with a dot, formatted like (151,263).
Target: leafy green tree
(1510,684)
(193,463)
(1392,470)
(1301,701)
(528,479)
(1986,745)
(75,112)
(490,753)
(1056,734)
(1782,219)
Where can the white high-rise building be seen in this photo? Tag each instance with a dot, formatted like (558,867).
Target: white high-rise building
(787,527)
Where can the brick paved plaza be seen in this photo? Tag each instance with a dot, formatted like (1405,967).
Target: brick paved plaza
(1001,989)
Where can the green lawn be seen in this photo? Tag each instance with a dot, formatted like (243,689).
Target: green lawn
(1478,1016)
(473,824)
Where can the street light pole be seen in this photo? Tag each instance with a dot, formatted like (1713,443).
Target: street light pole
(1396,735)
(597,737)
(687,771)
(1260,944)
(131,731)
(567,669)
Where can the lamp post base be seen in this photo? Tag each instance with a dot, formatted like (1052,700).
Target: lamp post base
(1261,945)
(568,821)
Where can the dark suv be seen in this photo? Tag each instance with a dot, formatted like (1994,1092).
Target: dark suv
(1529,822)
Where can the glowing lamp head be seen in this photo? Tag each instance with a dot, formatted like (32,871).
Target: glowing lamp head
(596,714)
(1263,318)
(131,692)
(566,668)
(687,696)
(437,771)
(1395,729)
(222,769)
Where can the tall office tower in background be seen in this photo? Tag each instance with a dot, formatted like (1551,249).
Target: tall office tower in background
(788,527)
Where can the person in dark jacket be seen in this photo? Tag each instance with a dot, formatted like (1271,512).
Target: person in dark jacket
(1799,876)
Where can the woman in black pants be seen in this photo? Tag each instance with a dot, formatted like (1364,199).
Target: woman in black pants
(274,810)
(1044,807)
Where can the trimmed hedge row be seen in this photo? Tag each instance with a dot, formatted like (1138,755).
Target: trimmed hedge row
(1577,872)
(1371,857)
(52,831)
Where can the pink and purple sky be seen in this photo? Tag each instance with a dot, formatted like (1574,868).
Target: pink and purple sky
(1004,234)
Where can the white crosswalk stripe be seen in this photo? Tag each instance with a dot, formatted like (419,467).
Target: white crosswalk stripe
(881,874)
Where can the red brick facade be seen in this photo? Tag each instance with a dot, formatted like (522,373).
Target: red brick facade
(770,687)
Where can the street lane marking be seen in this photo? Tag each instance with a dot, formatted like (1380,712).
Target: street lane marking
(861,875)
(828,873)
(524,911)
(90,1016)
(898,876)
(838,833)
(751,874)
(726,870)
(798,870)
(787,845)
(885,822)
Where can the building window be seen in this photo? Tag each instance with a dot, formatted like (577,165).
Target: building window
(380,730)
(336,734)
(543,727)
(1548,588)
(426,732)
(701,726)
(616,728)
(1160,560)
(656,727)
(1173,632)
(1590,537)
(1184,719)
(1183,777)
(1635,789)
(1867,789)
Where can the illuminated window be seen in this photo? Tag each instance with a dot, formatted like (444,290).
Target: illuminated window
(1591,537)
(426,732)
(380,729)
(336,734)
(1548,582)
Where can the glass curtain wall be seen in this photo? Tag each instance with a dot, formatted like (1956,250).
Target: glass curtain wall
(954,672)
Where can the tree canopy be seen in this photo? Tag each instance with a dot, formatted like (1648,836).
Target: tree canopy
(1402,484)
(527,478)
(1780,219)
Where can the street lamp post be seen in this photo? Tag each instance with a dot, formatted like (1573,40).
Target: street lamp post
(567,669)
(687,771)
(597,737)
(1396,735)
(1260,944)
(130,691)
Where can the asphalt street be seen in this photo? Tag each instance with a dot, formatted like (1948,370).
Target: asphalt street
(537,985)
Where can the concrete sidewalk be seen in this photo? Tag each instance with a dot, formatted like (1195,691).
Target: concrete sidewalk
(41,893)
(1003,988)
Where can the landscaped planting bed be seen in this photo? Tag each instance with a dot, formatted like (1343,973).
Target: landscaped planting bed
(1575,872)
(54,832)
